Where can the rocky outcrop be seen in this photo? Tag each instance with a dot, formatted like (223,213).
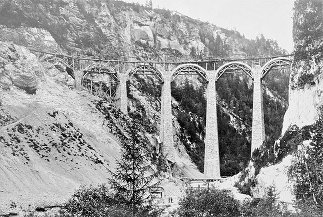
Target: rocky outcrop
(304,105)
(115,29)
(51,141)
(276,176)
(35,38)
(19,68)
(306,100)
(305,94)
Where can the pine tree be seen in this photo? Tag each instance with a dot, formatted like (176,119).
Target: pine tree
(149,4)
(134,176)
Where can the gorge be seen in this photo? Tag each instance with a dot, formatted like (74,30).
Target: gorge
(55,137)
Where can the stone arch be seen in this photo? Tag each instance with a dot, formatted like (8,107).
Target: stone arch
(60,61)
(276,62)
(231,66)
(147,69)
(100,68)
(100,74)
(56,58)
(187,68)
(105,67)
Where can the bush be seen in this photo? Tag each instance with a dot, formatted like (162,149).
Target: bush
(308,209)
(208,202)
(265,207)
(261,207)
(96,202)
(246,182)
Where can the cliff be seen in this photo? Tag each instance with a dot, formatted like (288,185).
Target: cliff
(118,29)
(283,169)
(306,77)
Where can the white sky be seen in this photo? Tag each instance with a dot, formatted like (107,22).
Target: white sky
(272,18)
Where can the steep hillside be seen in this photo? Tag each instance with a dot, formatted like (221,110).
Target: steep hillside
(54,139)
(118,29)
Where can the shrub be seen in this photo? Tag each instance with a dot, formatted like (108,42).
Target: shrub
(261,207)
(266,207)
(94,201)
(308,209)
(208,202)
(246,182)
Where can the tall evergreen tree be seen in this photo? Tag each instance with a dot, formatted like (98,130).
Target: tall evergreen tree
(134,176)
(149,4)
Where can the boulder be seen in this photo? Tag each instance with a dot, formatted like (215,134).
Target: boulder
(19,68)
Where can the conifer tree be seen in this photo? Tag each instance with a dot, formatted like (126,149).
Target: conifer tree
(134,176)
(149,4)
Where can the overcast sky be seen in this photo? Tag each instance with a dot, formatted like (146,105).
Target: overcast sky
(272,18)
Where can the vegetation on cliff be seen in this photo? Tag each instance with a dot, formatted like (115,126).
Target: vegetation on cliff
(306,169)
(308,40)
(304,144)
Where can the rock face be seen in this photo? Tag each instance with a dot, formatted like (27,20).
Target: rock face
(115,29)
(304,105)
(276,176)
(305,91)
(36,38)
(51,141)
(19,68)
(305,83)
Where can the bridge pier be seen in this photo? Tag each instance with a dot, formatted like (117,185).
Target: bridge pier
(166,129)
(122,89)
(78,74)
(258,125)
(211,155)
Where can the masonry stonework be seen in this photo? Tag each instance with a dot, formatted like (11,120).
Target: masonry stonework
(167,117)
(212,157)
(258,126)
(123,92)
(78,79)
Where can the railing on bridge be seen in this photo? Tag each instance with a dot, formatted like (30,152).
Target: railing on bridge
(210,64)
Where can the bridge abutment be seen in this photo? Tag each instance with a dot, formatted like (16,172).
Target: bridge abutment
(166,129)
(258,125)
(211,155)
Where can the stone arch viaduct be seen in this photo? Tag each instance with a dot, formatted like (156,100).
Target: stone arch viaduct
(210,71)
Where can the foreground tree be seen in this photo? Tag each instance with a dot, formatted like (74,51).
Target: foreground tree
(134,176)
